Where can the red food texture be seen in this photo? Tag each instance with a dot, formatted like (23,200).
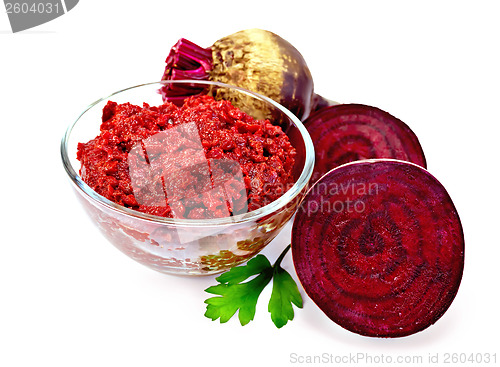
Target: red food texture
(379,247)
(349,132)
(206,159)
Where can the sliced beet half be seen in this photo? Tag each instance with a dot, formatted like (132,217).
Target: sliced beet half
(350,132)
(379,247)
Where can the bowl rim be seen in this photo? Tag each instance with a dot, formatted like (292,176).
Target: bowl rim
(277,204)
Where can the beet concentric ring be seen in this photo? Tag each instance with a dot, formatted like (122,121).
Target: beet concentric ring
(379,247)
(349,132)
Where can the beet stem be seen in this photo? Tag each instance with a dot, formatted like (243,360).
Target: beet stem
(186,60)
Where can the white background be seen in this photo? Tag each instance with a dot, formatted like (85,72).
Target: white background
(69,298)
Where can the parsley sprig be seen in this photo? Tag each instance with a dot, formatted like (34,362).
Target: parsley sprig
(233,295)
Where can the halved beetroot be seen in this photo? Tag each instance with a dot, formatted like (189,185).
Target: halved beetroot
(350,132)
(378,246)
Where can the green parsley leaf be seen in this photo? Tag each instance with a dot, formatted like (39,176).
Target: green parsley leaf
(235,295)
(285,292)
(240,273)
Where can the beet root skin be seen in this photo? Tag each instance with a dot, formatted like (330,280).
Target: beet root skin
(253,59)
(379,247)
(344,133)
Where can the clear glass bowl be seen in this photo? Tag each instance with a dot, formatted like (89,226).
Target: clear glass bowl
(189,246)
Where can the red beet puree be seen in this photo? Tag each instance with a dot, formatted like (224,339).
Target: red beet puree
(206,159)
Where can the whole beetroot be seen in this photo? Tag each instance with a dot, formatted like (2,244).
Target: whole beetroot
(253,59)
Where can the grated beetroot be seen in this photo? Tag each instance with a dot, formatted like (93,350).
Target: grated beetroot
(206,159)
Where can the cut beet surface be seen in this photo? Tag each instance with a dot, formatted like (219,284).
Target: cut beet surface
(379,247)
(350,132)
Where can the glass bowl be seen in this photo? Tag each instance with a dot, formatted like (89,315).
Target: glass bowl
(190,246)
